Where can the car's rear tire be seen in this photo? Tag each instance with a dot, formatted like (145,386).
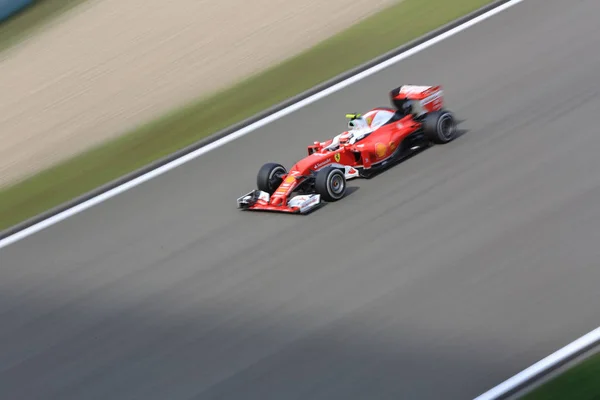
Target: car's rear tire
(330,183)
(269,177)
(440,127)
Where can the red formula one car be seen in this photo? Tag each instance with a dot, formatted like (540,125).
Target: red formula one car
(374,141)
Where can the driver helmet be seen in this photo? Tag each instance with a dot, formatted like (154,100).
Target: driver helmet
(346,137)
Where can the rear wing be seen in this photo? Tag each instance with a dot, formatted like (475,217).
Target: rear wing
(427,98)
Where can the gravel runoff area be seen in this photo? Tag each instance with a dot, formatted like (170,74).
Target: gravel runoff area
(109,65)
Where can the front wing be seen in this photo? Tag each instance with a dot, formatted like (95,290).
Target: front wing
(258,200)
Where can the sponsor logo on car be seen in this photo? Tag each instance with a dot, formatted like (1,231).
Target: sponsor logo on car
(380,149)
(337,157)
(413,89)
(437,96)
(322,164)
(309,203)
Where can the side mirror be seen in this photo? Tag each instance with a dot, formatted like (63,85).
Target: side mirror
(316,146)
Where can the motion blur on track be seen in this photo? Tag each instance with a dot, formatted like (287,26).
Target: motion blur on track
(437,280)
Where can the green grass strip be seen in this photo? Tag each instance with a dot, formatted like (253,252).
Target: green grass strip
(32,19)
(581,382)
(374,36)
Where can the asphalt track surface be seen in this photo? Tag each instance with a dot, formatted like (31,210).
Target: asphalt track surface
(437,279)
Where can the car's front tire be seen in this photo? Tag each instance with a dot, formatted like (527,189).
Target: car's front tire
(440,127)
(269,177)
(330,183)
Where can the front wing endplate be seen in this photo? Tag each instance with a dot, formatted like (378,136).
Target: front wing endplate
(258,200)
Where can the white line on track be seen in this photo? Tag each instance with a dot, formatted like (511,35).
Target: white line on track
(493,393)
(244,131)
(541,366)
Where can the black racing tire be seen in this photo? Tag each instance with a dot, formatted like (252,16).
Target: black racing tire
(330,183)
(269,177)
(440,127)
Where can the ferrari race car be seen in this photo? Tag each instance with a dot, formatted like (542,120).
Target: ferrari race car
(374,141)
